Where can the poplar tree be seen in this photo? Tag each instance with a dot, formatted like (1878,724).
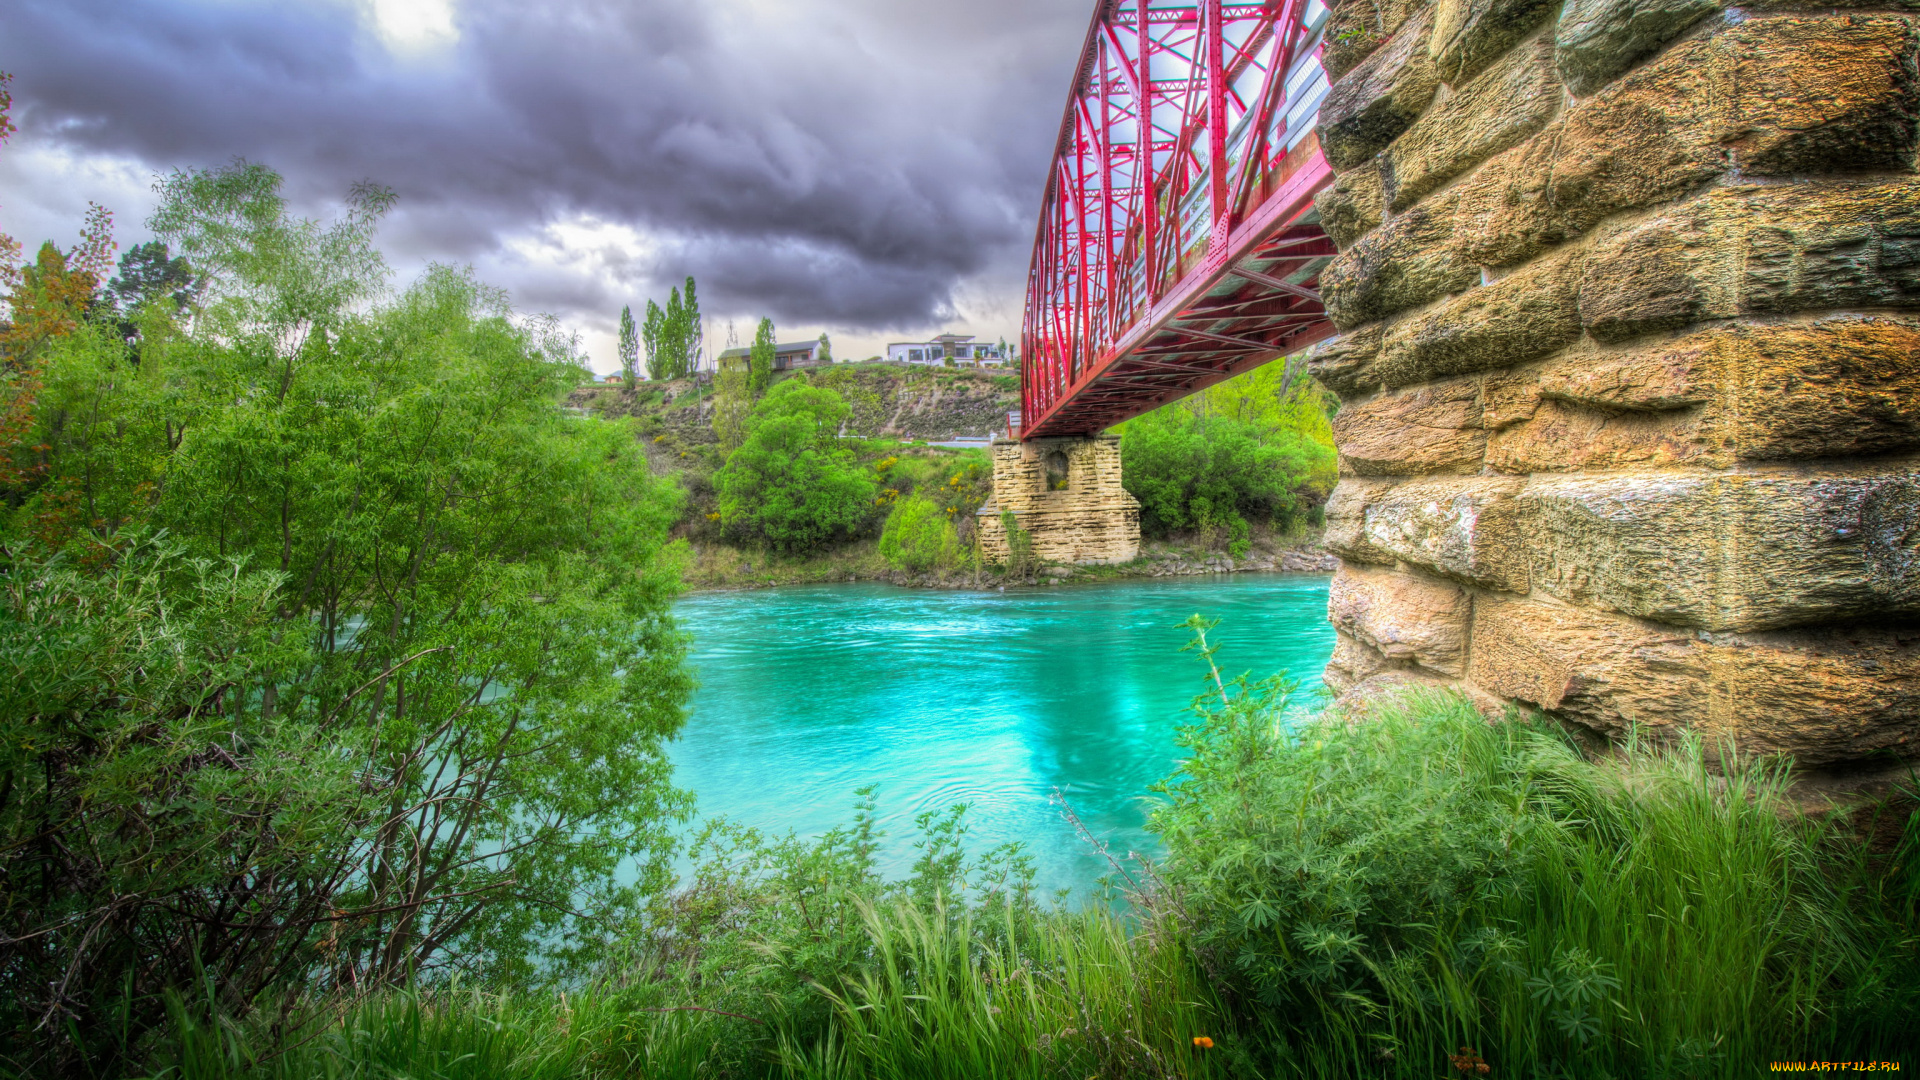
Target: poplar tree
(629,349)
(760,359)
(653,336)
(692,337)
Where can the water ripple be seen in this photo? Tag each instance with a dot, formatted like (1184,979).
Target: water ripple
(990,699)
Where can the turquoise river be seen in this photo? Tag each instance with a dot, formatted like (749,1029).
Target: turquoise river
(992,699)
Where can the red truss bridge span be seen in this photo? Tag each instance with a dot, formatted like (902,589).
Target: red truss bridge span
(1177,243)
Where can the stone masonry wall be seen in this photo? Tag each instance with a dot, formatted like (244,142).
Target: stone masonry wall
(1092,520)
(1629,313)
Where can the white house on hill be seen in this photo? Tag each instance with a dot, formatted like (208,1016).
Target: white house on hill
(960,348)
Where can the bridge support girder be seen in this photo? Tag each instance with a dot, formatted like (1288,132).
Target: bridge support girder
(1065,493)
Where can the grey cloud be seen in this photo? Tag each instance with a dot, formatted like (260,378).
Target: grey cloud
(848,167)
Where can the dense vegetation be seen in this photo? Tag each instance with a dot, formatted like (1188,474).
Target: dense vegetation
(1411,896)
(332,652)
(1255,449)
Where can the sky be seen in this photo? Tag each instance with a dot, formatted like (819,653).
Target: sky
(868,168)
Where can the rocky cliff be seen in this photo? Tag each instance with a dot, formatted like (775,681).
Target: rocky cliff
(1629,301)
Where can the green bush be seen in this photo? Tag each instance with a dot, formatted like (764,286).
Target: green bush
(1422,879)
(1198,472)
(790,486)
(335,652)
(919,536)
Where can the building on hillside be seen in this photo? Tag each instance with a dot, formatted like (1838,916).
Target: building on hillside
(960,348)
(786,357)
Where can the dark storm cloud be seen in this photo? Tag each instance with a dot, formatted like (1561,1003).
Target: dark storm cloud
(845,163)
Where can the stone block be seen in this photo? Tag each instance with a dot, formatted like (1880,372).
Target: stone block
(1355,28)
(1429,429)
(1639,142)
(1404,618)
(1351,664)
(1734,552)
(1468,35)
(1828,95)
(1758,250)
(1462,529)
(1380,98)
(1596,40)
(1343,364)
(1826,696)
(1497,109)
(1819,95)
(1527,315)
(1352,205)
(1833,388)
(1409,261)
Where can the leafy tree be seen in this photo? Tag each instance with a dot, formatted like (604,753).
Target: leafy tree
(826,348)
(147,275)
(390,696)
(760,358)
(9,247)
(629,349)
(653,336)
(1258,447)
(51,295)
(691,332)
(919,536)
(1199,472)
(673,335)
(789,486)
(732,403)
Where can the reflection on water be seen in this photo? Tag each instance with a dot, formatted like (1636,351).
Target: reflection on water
(992,699)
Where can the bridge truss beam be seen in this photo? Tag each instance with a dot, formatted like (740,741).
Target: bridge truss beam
(1177,244)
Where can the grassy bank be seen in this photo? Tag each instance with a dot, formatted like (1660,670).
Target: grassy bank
(1346,900)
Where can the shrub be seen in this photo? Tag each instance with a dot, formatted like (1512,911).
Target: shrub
(919,536)
(1420,878)
(789,485)
(1198,472)
(1019,545)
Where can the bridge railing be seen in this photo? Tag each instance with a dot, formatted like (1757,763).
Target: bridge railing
(1186,146)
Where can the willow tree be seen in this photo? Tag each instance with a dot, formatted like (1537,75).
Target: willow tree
(367,680)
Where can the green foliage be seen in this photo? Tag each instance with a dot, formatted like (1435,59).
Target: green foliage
(1257,446)
(791,958)
(826,348)
(672,335)
(629,349)
(388,700)
(790,485)
(1192,471)
(760,358)
(147,275)
(1422,879)
(919,536)
(1019,545)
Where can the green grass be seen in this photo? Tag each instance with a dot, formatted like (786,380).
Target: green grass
(1342,899)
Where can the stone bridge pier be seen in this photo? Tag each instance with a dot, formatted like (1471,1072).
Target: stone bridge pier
(1629,312)
(1065,493)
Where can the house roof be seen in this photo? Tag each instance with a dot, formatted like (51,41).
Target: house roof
(786,347)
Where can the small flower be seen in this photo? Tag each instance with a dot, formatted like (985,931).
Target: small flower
(1202,1042)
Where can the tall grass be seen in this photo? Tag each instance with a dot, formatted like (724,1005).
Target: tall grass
(1373,894)
(1342,898)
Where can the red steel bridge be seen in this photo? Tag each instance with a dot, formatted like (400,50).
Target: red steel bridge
(1177,243)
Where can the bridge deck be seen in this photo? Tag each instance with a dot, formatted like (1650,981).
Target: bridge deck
(1177,243)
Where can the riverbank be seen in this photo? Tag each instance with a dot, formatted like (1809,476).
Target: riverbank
(1475,900)
(720,567)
